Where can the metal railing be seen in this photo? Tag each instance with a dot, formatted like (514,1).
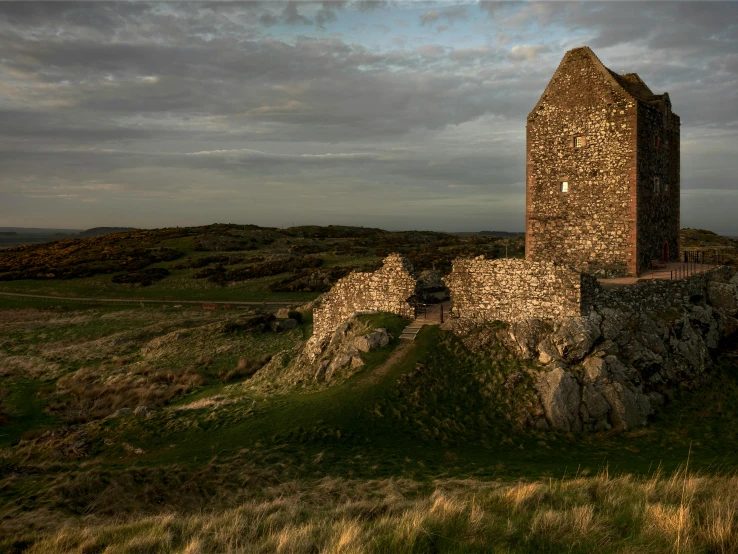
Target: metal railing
(421,311)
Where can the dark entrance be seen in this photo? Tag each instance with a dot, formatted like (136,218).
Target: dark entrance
(665,252)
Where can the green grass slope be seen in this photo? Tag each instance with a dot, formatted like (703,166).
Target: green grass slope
(420,451)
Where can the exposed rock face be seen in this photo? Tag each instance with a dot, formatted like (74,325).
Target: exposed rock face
(331,359)
(559,393)
(723,295)
(372,341)
(571,340)
(611,368)
(524,336)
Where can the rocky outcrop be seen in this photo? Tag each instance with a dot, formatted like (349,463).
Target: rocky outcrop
(611,368)
(723,295)
(327,360)
(560,396)
(571,340)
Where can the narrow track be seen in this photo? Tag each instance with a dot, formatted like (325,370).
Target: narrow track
(21,296)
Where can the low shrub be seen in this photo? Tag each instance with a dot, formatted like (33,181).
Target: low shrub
(245,368)
(145,277)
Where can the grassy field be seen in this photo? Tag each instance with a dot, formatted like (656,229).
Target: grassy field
(422,456)
(145,429)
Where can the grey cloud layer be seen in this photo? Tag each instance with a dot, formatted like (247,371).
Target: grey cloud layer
(94,92)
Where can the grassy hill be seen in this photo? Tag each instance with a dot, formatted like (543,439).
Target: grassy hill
(149,429)
(226,262)
(422,455)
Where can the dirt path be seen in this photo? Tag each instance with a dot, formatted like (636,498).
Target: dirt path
(400,352)
(143,301)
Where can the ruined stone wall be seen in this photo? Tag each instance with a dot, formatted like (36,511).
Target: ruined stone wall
(654,295)
(386,290)
(511,289)
(592,226)
(658,206)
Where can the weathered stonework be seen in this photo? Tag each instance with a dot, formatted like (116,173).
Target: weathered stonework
(386,290)
(510,289)
(654,295)
(513,290)
(612,220)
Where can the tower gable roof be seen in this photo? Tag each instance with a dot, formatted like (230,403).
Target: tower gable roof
(631,84)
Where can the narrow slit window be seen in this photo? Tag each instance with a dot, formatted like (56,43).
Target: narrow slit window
(656,141)
(666,188)
(564,186)
(656,185)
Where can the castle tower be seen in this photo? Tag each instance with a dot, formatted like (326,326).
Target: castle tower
(602,171)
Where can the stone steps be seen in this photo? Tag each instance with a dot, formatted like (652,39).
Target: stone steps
(411,331)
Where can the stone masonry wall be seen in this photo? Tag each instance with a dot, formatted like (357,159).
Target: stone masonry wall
(592,226)
(386,290)
(658,207)
(653,295)
(511,289)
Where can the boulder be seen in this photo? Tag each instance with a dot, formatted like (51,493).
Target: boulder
(572,340)
(558,391)
(523,337)
(349,357)
(283,324)
(628,408)
(598,370)
(613,322)
(723,296)
(595,370)
(727,325)
(141,410)
(371,341)
(283,313)
(595,404)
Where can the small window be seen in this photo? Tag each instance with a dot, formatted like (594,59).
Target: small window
(564,186)
(666,188)
(578,142)
(656,185)
(656,141)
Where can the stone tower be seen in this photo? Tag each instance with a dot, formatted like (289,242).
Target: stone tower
(602,171)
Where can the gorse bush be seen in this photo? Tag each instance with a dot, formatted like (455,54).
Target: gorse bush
(145,277)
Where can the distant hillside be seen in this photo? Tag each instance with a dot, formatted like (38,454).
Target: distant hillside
(99,231)
(495,234)
(296,260)
(18,236)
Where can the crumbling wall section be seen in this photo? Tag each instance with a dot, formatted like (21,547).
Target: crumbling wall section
(385,290)
(511,290)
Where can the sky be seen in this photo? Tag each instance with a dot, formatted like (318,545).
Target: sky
(397,114)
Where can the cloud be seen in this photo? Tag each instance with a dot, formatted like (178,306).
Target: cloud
(451,14)
(272,100)
(528,52)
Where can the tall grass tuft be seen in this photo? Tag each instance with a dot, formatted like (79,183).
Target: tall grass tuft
(682,513)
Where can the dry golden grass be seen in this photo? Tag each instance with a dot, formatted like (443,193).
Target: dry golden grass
(686,513)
